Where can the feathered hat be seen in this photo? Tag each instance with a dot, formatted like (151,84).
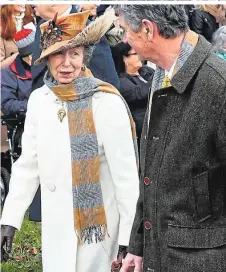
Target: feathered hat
(72,30)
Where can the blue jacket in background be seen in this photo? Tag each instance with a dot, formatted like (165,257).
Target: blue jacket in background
(16,84)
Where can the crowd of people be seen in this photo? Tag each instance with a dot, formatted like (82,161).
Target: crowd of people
(111,96)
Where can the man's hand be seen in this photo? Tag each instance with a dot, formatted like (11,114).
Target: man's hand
(7,235)
(132,263)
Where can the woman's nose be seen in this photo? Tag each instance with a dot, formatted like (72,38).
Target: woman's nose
(67,60)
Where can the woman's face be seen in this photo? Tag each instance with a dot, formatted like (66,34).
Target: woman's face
(132,62)
(65,66)
(18,9)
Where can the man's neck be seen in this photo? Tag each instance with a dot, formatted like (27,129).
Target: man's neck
(169,51)
(61,9)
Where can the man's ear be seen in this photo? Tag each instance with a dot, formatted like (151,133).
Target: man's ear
(148,29)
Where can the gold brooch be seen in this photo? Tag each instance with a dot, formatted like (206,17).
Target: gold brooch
(61,114)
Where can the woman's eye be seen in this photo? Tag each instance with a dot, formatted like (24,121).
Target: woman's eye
(74,54)
(58,53)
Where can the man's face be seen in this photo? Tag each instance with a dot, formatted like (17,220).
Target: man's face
(42,11)
(65,66)
(91,7)
(137,40)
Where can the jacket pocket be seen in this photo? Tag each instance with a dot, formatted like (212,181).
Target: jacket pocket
(199,238)
(202,198)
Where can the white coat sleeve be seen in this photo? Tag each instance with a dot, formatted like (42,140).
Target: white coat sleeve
(24,180)
(116,136)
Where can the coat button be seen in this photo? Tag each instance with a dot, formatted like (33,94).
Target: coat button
(147,225)
(51,187)
(147,181)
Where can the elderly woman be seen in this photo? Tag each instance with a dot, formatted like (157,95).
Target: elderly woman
(219,42)
(79,144)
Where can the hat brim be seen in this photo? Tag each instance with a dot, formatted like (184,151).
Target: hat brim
(90,35)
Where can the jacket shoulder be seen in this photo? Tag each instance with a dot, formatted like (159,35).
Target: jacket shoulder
(217,66)
(39,93)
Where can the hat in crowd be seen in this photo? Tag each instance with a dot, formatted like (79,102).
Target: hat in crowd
(24,40)
(72,30)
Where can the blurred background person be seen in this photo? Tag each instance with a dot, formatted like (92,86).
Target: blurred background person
(13,18)
(206,19)
(219,42)
(135,81)
(16,81)
(91,7)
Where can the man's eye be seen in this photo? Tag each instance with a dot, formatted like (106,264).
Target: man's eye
(74,54)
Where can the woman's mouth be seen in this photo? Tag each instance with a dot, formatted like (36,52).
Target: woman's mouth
(65,74)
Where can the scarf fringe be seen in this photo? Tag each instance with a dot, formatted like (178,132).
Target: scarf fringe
(91,234)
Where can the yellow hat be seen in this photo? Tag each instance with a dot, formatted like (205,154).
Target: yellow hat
(70,31)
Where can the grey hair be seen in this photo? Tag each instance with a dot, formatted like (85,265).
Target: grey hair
(171,20)
(219,40)
(88,52)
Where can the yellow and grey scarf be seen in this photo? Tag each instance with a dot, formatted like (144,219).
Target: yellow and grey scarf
(89,213)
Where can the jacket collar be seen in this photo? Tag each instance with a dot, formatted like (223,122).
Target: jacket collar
(21,68)
(183,77)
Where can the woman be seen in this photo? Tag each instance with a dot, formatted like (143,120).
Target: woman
(82,152)
(219,42)
(206,20)
(13,18)
(135,81)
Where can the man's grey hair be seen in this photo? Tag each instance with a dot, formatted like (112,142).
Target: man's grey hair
(171,20)
(219,40)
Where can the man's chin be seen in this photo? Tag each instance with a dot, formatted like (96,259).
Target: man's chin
(141,58)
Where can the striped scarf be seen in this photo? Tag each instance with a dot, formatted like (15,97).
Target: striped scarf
(89,213)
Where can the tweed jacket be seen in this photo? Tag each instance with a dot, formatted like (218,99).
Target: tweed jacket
(180,223)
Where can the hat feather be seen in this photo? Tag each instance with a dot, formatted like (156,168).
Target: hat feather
(94,31)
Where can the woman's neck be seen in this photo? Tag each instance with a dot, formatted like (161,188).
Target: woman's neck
(132,71)
(17,14)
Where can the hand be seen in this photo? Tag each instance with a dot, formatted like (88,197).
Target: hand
(7,235)
(132,263)
(116,265)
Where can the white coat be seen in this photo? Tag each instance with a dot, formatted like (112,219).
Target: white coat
(46,160)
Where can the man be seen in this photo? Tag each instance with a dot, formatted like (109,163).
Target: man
(101,65)
(180,222)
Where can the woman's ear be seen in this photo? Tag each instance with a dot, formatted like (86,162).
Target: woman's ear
(125,59)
